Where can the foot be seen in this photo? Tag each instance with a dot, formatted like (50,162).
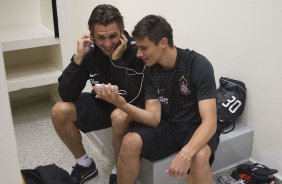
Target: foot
(81,174)
(113,179)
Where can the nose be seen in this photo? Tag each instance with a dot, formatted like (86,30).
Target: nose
(108,43)
(139,53)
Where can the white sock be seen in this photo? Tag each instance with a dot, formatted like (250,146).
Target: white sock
(84,161)
(114,170)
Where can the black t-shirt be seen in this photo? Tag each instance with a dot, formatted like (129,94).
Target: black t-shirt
(179,89)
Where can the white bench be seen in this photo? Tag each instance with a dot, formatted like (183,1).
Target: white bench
(234,148)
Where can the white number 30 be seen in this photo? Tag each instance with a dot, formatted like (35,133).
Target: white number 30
(233,104)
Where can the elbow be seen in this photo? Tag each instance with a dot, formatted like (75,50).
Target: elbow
(66,98)
(214,127)
(211,125)
(63,96)
(156,122)
(155,125)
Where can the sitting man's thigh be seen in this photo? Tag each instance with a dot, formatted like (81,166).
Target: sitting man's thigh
(92,114)
(158,142)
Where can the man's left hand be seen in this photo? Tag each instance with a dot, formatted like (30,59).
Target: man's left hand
(121,48)
(178,167)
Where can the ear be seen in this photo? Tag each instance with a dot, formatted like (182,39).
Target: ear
(164,42)
(92,38)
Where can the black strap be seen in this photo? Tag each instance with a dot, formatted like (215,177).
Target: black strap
(230,130)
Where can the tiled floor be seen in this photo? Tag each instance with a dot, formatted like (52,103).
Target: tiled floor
(38,143)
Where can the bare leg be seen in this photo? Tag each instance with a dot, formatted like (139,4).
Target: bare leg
(120,125)
(200,171)
(64,121)
(128,164)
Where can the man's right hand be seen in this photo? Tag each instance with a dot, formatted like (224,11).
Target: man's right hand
(83,46)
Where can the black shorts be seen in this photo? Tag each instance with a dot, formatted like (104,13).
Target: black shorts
(167,139)
(92,113)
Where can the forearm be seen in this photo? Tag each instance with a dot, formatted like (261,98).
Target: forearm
(199,139)
(141,116)
(205,131)
(78,58)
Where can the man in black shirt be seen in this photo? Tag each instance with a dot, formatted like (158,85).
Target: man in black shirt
(180,108)
(106,55)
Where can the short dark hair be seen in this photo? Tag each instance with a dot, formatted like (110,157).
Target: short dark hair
(155,28)
(105,14)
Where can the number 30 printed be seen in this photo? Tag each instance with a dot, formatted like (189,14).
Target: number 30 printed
(233,104)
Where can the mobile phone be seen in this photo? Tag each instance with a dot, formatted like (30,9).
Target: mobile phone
(99,86)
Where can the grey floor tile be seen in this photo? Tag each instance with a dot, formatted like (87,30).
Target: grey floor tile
(38,143)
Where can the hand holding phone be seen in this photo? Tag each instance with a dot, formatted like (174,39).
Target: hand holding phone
(99,86)
(121,48)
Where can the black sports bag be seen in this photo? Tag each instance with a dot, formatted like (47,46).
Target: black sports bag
(48,174)
(231,98)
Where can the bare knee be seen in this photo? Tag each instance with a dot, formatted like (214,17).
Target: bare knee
(63,112)
(131,146)
(200,167)
(201,159)
(120,122)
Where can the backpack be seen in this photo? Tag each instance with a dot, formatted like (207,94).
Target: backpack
(49,174)
(231,99)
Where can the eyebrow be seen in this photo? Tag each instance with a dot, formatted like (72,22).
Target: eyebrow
(112,34)
(141,47)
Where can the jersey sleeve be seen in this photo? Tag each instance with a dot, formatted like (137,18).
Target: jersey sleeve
(72,81)
(150,90)
(202,76)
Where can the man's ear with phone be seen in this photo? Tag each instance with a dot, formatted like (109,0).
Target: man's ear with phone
(91,37)
(121,33)
(93,40)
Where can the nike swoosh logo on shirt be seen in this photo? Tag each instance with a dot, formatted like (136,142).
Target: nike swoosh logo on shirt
(93,75)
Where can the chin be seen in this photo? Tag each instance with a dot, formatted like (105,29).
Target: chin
(148,64)
(108,53)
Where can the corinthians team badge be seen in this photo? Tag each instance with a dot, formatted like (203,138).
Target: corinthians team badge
(184,86)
